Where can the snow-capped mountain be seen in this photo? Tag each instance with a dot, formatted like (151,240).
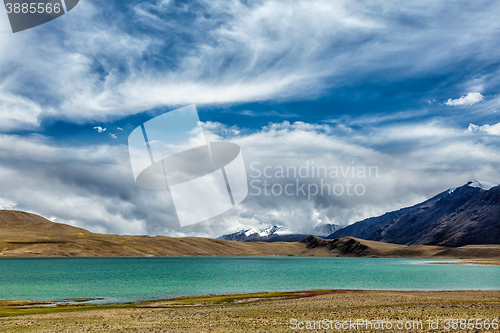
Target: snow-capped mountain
(274,233)
(252,234)
(270,231)
(465,215)
(277,233)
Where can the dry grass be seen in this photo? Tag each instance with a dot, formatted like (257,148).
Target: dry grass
(264,312)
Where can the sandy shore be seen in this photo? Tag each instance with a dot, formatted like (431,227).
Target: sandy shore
(273,312)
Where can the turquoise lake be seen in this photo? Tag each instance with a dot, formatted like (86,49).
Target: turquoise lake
(142,279)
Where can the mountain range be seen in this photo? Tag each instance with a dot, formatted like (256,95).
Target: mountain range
(465,215)
(28,235)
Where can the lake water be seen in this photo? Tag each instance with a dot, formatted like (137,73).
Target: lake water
(141,279)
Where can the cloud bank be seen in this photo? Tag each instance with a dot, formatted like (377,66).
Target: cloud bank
(93,187)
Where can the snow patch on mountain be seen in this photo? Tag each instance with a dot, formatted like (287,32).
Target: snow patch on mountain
(325,229)
(253,233)
(249,232)
(482,185)
(270,230)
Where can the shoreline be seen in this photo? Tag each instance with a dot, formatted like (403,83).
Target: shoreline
(432,260)
(151,285)
(19,306)
(261,312)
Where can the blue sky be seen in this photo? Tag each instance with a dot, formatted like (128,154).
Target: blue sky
(410,87)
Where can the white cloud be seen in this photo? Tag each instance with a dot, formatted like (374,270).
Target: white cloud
(100,129)
(374,119)
(113,136)
(7,203)
(490,129)
(17,111)
(272,113)
(469,99)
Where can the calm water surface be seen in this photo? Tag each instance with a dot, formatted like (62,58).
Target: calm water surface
(141,279)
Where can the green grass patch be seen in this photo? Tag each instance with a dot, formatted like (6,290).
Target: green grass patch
(19,308)
(13,311)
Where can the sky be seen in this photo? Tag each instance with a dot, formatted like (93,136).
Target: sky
(410,89)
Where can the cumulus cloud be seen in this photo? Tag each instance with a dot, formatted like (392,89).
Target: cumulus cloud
(469,99)
(490,129)
(113,136)
(100,129)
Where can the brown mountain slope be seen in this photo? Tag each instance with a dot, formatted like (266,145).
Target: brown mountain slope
(355,247)
(24,234)
(456,217)
(18,223)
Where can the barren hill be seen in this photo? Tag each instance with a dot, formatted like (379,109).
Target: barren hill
(355,247)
